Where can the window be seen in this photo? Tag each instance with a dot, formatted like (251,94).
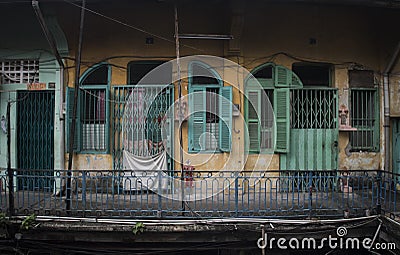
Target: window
(260,121)
(212,119)
(92,121)
(267,120)
(313,74)
(137,71)
(211,110)
(19,71)
(364,111)
(270,95)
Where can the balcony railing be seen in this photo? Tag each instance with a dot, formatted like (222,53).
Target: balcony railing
(198,194)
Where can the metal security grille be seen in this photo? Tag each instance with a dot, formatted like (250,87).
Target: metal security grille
(35,139)
(364,117)
(141,133)
(313,109)
(19,71)
(93,117)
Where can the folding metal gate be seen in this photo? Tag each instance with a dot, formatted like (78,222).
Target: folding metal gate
(313,130)
(35,140)
(162,98)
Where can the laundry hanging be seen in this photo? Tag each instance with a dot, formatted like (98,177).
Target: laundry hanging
(142,173)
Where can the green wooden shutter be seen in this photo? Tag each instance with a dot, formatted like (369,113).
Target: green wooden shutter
(225,115)
(253,125)
(69,111)
(283,77)
(282,118)
(197,119)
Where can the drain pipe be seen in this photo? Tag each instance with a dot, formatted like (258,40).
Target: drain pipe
(386,100)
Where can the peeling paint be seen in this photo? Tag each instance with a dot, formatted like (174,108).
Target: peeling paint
(394,90)
(356,160)
(91,161)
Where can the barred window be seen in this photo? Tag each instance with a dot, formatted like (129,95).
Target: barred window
(19,71)
(92,121)
(364,111)
(365,117)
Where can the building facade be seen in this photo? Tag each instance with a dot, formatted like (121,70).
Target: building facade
(316,90)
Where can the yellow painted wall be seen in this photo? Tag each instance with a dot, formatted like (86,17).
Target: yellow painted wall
(345,36)
(91,161)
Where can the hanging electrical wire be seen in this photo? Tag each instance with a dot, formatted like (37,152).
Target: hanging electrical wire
(131,26)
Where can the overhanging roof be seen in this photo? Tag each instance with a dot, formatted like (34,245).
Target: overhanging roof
(369,3)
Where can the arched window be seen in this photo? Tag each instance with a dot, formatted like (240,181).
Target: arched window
(266,97)
(211,118)
(92,118)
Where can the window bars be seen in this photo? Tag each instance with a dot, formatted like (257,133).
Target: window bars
(313,109)
(93,119)
(364,116)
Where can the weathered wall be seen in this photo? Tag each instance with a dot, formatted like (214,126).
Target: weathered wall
(91,161)
(394,90)
(344,36)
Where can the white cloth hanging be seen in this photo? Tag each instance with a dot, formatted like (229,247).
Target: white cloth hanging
(143,173)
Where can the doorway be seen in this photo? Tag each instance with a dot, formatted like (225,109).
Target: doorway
(35,140)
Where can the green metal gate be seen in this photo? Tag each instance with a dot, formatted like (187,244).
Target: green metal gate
(313,130)
(35,140)
(396,146)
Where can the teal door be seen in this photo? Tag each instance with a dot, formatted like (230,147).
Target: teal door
(396,146)
(314,133)
(35,140)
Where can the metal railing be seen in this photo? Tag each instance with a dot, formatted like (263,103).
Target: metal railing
(283,194)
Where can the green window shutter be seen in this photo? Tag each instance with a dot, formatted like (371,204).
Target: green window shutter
(70,107)
(253,125)
(197,119)
(282,118)
(283,77)
(225,115)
